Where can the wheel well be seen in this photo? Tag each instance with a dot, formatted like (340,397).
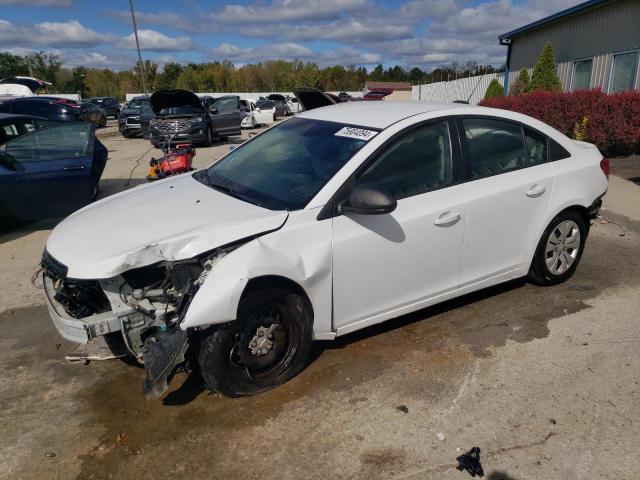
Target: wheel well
(276,281)
(584,212)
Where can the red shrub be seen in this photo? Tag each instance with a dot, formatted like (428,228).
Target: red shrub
(613,120)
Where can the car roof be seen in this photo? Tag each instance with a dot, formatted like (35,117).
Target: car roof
(379,114)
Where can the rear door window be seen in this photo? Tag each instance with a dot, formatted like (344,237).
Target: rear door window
(63,141)
(536,144)
(494,146)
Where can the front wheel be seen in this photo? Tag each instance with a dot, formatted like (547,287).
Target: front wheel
(268,344)
(559,250)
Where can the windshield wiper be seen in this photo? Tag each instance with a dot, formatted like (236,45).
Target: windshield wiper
(229,191)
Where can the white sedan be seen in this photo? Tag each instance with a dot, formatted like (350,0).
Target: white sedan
(256,116)
(334,220)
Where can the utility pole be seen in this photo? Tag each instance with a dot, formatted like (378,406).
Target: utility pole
(135,33)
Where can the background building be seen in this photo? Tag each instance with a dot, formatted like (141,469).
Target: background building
(597,44)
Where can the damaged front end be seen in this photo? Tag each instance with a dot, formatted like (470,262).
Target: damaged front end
(144,305)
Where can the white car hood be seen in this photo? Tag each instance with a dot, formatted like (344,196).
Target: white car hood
(173,219)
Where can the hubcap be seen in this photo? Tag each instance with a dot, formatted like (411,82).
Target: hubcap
(562,247)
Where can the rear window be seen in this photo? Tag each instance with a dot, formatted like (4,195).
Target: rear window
(557,151)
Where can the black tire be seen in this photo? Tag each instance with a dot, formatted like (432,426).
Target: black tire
(224,138)
(225,358)
(539,273)
(208,140)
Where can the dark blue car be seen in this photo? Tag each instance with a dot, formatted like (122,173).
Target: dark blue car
(50,172)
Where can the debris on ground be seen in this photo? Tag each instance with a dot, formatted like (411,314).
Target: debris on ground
(470,462)
(440,436)
(402,408)
(50,454)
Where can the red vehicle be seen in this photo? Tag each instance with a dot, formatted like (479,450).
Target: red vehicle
(175,161)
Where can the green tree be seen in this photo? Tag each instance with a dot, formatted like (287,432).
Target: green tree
(77,82)
(545,76)
(169,76)
(11,65)
(494,90)
(521,84)
(43,65)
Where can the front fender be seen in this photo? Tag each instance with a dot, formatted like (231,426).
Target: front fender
(301,252)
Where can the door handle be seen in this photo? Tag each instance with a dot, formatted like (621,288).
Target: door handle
(447,219)
(536,190)
(73,168)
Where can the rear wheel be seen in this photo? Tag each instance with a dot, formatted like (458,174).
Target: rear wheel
(559,250)
(267,345)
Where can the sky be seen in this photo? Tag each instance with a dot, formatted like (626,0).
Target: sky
(409,33)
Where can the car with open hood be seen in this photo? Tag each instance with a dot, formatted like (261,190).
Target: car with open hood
(331,221)
(181,117)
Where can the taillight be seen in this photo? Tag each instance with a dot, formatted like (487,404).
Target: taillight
(604,166)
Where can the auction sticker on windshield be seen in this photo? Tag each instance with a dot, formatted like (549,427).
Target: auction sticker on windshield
(358,133)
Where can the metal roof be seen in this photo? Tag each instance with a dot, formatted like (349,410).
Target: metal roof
(553,18)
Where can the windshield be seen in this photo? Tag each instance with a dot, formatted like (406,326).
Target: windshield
(138,102)
(265,105)
(283,168)
(181,110)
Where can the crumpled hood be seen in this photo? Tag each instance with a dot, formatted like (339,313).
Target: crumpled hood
(173,219)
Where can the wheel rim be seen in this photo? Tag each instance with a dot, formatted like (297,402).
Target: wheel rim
(562,247)
(265,346)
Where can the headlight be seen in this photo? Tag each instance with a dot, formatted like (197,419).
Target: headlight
(197,120)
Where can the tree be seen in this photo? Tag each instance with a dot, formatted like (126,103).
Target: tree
(77,82)
(494,90)
(11,65)
(521,84)
(545,76)
(169,76)
(44,66)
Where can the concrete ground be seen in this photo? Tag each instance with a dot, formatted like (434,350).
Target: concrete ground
(544,380)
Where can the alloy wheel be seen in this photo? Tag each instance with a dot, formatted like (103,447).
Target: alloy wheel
(563,246)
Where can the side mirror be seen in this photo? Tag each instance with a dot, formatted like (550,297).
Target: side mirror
(368,201)
(213,110)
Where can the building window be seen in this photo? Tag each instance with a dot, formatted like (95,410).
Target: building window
(623,72)
(581,79)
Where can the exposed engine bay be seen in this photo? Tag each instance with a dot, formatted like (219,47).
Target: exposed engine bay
(145,305)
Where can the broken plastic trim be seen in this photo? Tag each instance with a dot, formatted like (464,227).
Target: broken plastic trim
(162,352)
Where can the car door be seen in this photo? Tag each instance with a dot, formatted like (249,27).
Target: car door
(385,265)
(509,183)
(227,121)
(53,173)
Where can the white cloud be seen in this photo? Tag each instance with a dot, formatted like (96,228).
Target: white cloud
(294,51)
(71,34)
(156,42)
(289,11)
(339,31)
(173,20)
(38,3)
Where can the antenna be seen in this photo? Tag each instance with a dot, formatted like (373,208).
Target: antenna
(474,88)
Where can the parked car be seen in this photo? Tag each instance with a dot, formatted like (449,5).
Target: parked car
(50,171)
(13,126)
(135,118)
(257,116)
(91,112)
(293,105)
(51,108)
(310,98)
(280,102)
(110,105)
(181,117)
(21,86)
(335,220)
